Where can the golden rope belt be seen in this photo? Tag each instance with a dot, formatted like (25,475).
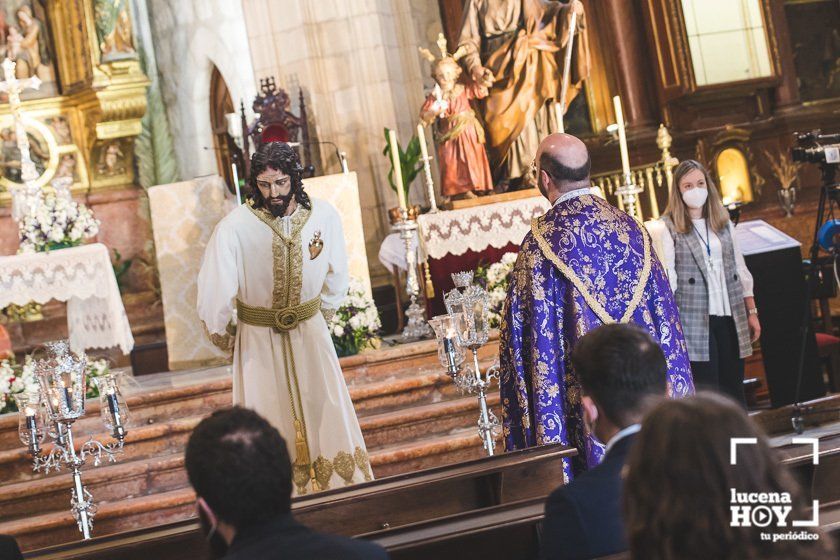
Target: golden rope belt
(281,319)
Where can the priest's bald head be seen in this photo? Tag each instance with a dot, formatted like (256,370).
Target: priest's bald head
(563,165)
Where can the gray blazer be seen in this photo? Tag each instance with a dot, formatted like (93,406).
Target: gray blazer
(692,294)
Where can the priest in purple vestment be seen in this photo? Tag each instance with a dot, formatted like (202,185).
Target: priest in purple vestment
(584,263)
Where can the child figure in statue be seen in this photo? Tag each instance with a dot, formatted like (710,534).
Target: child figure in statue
(464,169)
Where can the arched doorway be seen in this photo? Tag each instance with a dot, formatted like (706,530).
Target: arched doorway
(226,150)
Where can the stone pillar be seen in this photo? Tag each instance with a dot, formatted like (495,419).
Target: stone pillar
(625,34)
(787,94)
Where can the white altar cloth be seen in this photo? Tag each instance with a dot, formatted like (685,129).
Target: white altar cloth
(454,232)
(81,276)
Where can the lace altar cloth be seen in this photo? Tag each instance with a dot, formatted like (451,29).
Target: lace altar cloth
(81,276)
(454,232)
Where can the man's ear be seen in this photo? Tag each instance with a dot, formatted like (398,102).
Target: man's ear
(590,412)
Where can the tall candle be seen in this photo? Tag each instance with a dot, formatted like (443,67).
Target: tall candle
(430,186)
(622,138)
(236,183)
(395,160)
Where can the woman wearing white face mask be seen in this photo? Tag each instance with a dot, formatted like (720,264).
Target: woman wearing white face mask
(712,285)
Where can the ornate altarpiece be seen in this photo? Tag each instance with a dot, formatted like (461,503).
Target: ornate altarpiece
(86,128)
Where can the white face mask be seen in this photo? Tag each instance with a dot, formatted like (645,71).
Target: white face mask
(696,197)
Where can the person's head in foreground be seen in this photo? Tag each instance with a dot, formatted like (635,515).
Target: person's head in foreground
(562,165)
(680,487)
(621,369)
(240,470)
(277,179)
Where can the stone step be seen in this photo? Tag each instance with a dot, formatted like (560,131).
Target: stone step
(107,483)
(145,442)
(459,445)
(395,427)
(48,529)
(147,407)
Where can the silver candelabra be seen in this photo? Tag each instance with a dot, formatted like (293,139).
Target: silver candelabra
(628,192)
(466,327)
(52,410)
(416,327)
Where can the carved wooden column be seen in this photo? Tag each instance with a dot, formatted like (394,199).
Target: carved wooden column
(787,93)
(625,35)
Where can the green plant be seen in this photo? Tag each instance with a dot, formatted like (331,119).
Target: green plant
(120,268)
(411,163)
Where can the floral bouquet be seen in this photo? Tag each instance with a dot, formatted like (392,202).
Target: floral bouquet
(356,323)
(17,379)
(496,279)
(56,223)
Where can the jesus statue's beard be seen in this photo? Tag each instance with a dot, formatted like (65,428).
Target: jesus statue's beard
(279,209)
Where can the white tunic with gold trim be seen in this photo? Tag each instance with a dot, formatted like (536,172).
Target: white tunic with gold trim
(292,377)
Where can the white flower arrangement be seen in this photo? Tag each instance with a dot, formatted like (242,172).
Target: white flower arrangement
(356,323)
(15,380)
(54,223)
(18,379)
(496,278)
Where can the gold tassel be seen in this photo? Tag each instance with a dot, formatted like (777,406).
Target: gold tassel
(430,287)
(301,448)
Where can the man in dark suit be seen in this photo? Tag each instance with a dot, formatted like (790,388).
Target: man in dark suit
(9,548)
(240,469)
(621,370)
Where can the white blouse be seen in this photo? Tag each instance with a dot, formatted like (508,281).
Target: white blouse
(718,298)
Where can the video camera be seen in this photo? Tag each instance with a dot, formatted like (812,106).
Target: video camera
(815,147)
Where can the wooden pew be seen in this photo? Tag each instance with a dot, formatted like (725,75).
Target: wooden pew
(485,490)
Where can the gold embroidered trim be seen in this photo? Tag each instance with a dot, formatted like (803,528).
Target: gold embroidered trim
(363,463)
(328,313)
(345,467)
(596,306)
(323,472)
(224,342)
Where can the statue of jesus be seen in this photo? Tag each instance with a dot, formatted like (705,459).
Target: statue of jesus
(519,45)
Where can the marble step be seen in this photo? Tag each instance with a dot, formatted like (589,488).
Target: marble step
(388,429)
(48,529)
(146,408)
(459,445)
(145,442)
(107,483)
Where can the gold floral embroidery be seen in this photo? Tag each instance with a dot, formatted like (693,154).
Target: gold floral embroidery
(323,472)
(301,476)
(224,342)
(593,301)
(345,467)
(363,462)
(327,313)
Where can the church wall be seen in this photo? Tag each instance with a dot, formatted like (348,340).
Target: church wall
(360,71)
(190,37)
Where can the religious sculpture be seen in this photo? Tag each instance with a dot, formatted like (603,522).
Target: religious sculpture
(111,160)
(113,29)
(519,44)
(23,39)
(464,170)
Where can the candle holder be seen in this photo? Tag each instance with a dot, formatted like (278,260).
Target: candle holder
(31,428)
(416,327)
(62,385)
(629,194)
(468,306)
(450,351)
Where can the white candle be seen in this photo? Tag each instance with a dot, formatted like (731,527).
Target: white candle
(395,160)
(236,184)
(622,138)
(430,187)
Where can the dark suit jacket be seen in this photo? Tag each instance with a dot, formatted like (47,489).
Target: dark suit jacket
(9,548)
(285,539)
(583,518)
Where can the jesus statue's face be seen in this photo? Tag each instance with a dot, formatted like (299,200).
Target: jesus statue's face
(276,189)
